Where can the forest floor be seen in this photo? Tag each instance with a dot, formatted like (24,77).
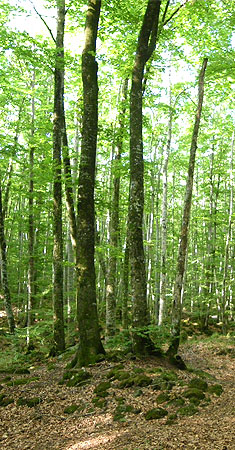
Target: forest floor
(113,425)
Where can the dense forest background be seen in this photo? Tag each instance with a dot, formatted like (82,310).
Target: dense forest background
(188,32)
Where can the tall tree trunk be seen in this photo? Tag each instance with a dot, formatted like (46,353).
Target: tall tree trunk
(208,283)
(163,280)
(177,295)
(145,47)
(69,188)
(224,300)
(114,223)
(31,271)
(125,288)
(6,291)
(58,125)
(90,344)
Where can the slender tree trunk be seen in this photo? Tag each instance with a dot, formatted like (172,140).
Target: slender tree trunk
(177,306)
(111,293)
(125,289)
(224,300)
(58,125)
(31,271)
(208,283)
(163,273)
(145,47)
(6,291)
(69,188)
(90,344)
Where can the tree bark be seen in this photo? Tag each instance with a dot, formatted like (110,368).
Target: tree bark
(6,291)
(31,270)
(145,47)
(90,344)
(58,125)
(183,244)
(224,300)
(163,272)
(114,223)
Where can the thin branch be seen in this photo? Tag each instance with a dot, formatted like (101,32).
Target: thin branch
(43,20)
(175,12)
(166,9)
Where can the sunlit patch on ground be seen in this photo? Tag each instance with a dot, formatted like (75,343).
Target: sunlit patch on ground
(93,443)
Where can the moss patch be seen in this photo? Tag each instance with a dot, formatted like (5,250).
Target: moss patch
(189,410)
(138,393)
(194,393)
(71,409)
(179,401)
(162,398)
(171,419)
(126,383)
(4,401)
(102,387)
(156,413)
(137,370)
(21,381)
(121,375)
(30,402)
(75,377)
(215,389)
(136,380)
(99,402)
(16,370)
(198,383)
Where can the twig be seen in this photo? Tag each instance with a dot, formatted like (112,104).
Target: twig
(175,12)
(43,20)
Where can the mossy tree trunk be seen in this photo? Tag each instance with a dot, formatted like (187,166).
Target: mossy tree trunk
(183,242)
(114,220)
(145,47)
(31,269)
(6,291)
(90,344)
(58,125)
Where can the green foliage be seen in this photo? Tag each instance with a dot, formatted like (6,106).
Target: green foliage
(121,341)
(199,28)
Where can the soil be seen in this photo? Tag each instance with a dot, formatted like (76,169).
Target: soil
(46,426)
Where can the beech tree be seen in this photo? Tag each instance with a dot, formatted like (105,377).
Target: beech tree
(101,186)
(90,345)
(145,47)
(5,284)
(183,243)
(58,126)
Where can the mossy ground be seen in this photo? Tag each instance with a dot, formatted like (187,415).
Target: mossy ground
(128,405)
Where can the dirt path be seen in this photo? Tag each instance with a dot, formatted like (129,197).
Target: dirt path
(47,427)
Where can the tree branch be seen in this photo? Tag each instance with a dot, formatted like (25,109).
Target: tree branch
(165,12)
(43,20)
(174,13)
